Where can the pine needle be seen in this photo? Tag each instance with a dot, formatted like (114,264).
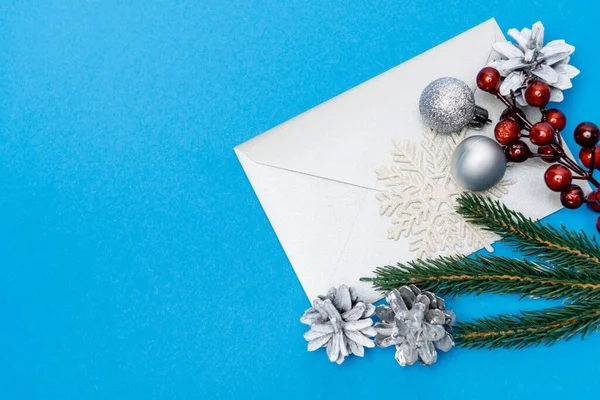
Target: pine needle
(530,328)
(453,276)
(561,247)
(565,264)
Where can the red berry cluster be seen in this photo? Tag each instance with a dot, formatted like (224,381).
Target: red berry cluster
(546,134)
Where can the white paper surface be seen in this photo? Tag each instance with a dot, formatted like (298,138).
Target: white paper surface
(314,175)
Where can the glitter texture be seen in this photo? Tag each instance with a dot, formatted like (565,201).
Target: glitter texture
(417,323)
(447,105)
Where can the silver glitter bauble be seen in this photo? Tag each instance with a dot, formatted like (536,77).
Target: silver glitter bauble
(478,163)
(447,105)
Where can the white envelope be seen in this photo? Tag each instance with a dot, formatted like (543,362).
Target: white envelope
(314,175)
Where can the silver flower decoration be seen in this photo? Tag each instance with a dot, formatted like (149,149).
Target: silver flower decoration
(417,323)
(341,322)
(529,59)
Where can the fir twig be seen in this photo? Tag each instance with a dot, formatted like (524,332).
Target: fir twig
(530,328)
(453,276)
(560,247)
(566,264)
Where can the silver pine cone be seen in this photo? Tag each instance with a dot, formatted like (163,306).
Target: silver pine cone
(528,59)
(341,322)
(417,323)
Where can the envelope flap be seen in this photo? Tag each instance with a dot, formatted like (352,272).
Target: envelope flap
(346,138)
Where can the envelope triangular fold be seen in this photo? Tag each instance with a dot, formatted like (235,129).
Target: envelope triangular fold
(315,174)
(313,218)
(318,142)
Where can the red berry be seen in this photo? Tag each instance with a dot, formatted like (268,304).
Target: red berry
(558,178)
(585,155)
(572,197)
(548,151)
(541,134)
(556,118)
(507,131)
(537,94)
(593,201)
(517,152)
(586,134)
(509,113)
(488,80)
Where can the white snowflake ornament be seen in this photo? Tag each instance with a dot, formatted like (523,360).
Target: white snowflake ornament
(529,59)
(422,195)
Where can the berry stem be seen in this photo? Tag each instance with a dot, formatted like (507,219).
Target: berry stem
(564,160)
(513,107)
(559,138)
(571,163)
(593,181)
(589,173)
(542,156)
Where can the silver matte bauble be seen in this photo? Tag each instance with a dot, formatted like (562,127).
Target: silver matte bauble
(478,163)
(447,105)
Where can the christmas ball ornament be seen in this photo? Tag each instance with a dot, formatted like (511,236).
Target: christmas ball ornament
(341,322)
(488,80)
(447,105)
(417,323)
(478,163)
(558,178)
(586,134)
(572,197)
(593,201)
(556,118)
(549,154)
(507,131)
(517,152)
(537,94)
(512,115)
(585,155)
(541,134)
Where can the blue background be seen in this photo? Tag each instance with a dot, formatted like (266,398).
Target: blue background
(136,260)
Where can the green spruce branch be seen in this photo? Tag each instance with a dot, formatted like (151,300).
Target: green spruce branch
(453,276)
(566,264)
(560,247)
(530,328)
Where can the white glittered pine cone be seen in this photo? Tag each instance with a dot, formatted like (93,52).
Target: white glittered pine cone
(528,59)
(417,323)
(341,322)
